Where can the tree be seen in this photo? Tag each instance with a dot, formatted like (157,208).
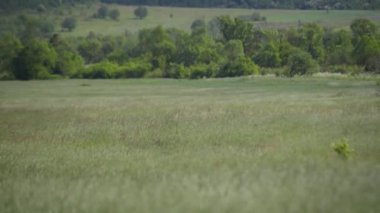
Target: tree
(366,42)
(301,63)
(234,50)
(35,61)
(362,27)
(68,62)
(91,50)
(268,56)
(102,12)
(141,12)
(198,25)
(10,47)
(367,47)
(69,23)
(338,47)
(310,39)
(114,14)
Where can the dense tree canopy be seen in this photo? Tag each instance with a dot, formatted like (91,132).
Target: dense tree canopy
(231,47)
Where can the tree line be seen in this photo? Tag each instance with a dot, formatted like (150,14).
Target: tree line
(222,47)
(259,4)
(280,4)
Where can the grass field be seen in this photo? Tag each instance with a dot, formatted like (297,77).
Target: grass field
(233,145)
(183,17)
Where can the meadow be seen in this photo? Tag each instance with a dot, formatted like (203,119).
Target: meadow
(182,18)
(252,144)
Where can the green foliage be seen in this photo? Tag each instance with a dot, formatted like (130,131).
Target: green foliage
(198,25)
(311,40)
(35,61)
(373,64)
(141,12)
(366,48)
(234,29)
(175,71)
(10,47)
(197,71)
(102,70)
(69,23)
(343,149)
(91,50)
(102,12)
(301,63)
(68,64)
(338,47)
(234,50)
(136,68)
(239,67)
(362,28)
(114,14)
(268,56)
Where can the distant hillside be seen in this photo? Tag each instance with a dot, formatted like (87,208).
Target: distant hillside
(280,4)
(7,5)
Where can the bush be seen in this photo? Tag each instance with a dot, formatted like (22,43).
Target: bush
(69,23)
(342,149)
(241,66)
(46,27)
(197,71)
(102,70)
(136,68)
(301,63)
(174,71)
(114,14)
(141,12)
(102,12)
(197,25)
(268,56)
(373,64)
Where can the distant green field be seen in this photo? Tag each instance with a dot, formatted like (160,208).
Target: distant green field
(257,144)
(183,17)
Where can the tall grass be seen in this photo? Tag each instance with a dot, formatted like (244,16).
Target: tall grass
(231,145)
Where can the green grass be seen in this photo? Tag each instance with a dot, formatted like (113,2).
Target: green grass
(183,18)
(231,145)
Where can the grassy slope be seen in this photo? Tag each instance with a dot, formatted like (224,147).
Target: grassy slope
(183,17)
(232,145)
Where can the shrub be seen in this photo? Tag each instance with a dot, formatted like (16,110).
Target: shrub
(141,12)
(69,23)
(342,149)
(46,27)
(102,70)
(136,68)
(268,56)
(301,63)
(197,71)
(197,25)
(174,71)
(373,64)
(114,14)
(102,12)
(241,66)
